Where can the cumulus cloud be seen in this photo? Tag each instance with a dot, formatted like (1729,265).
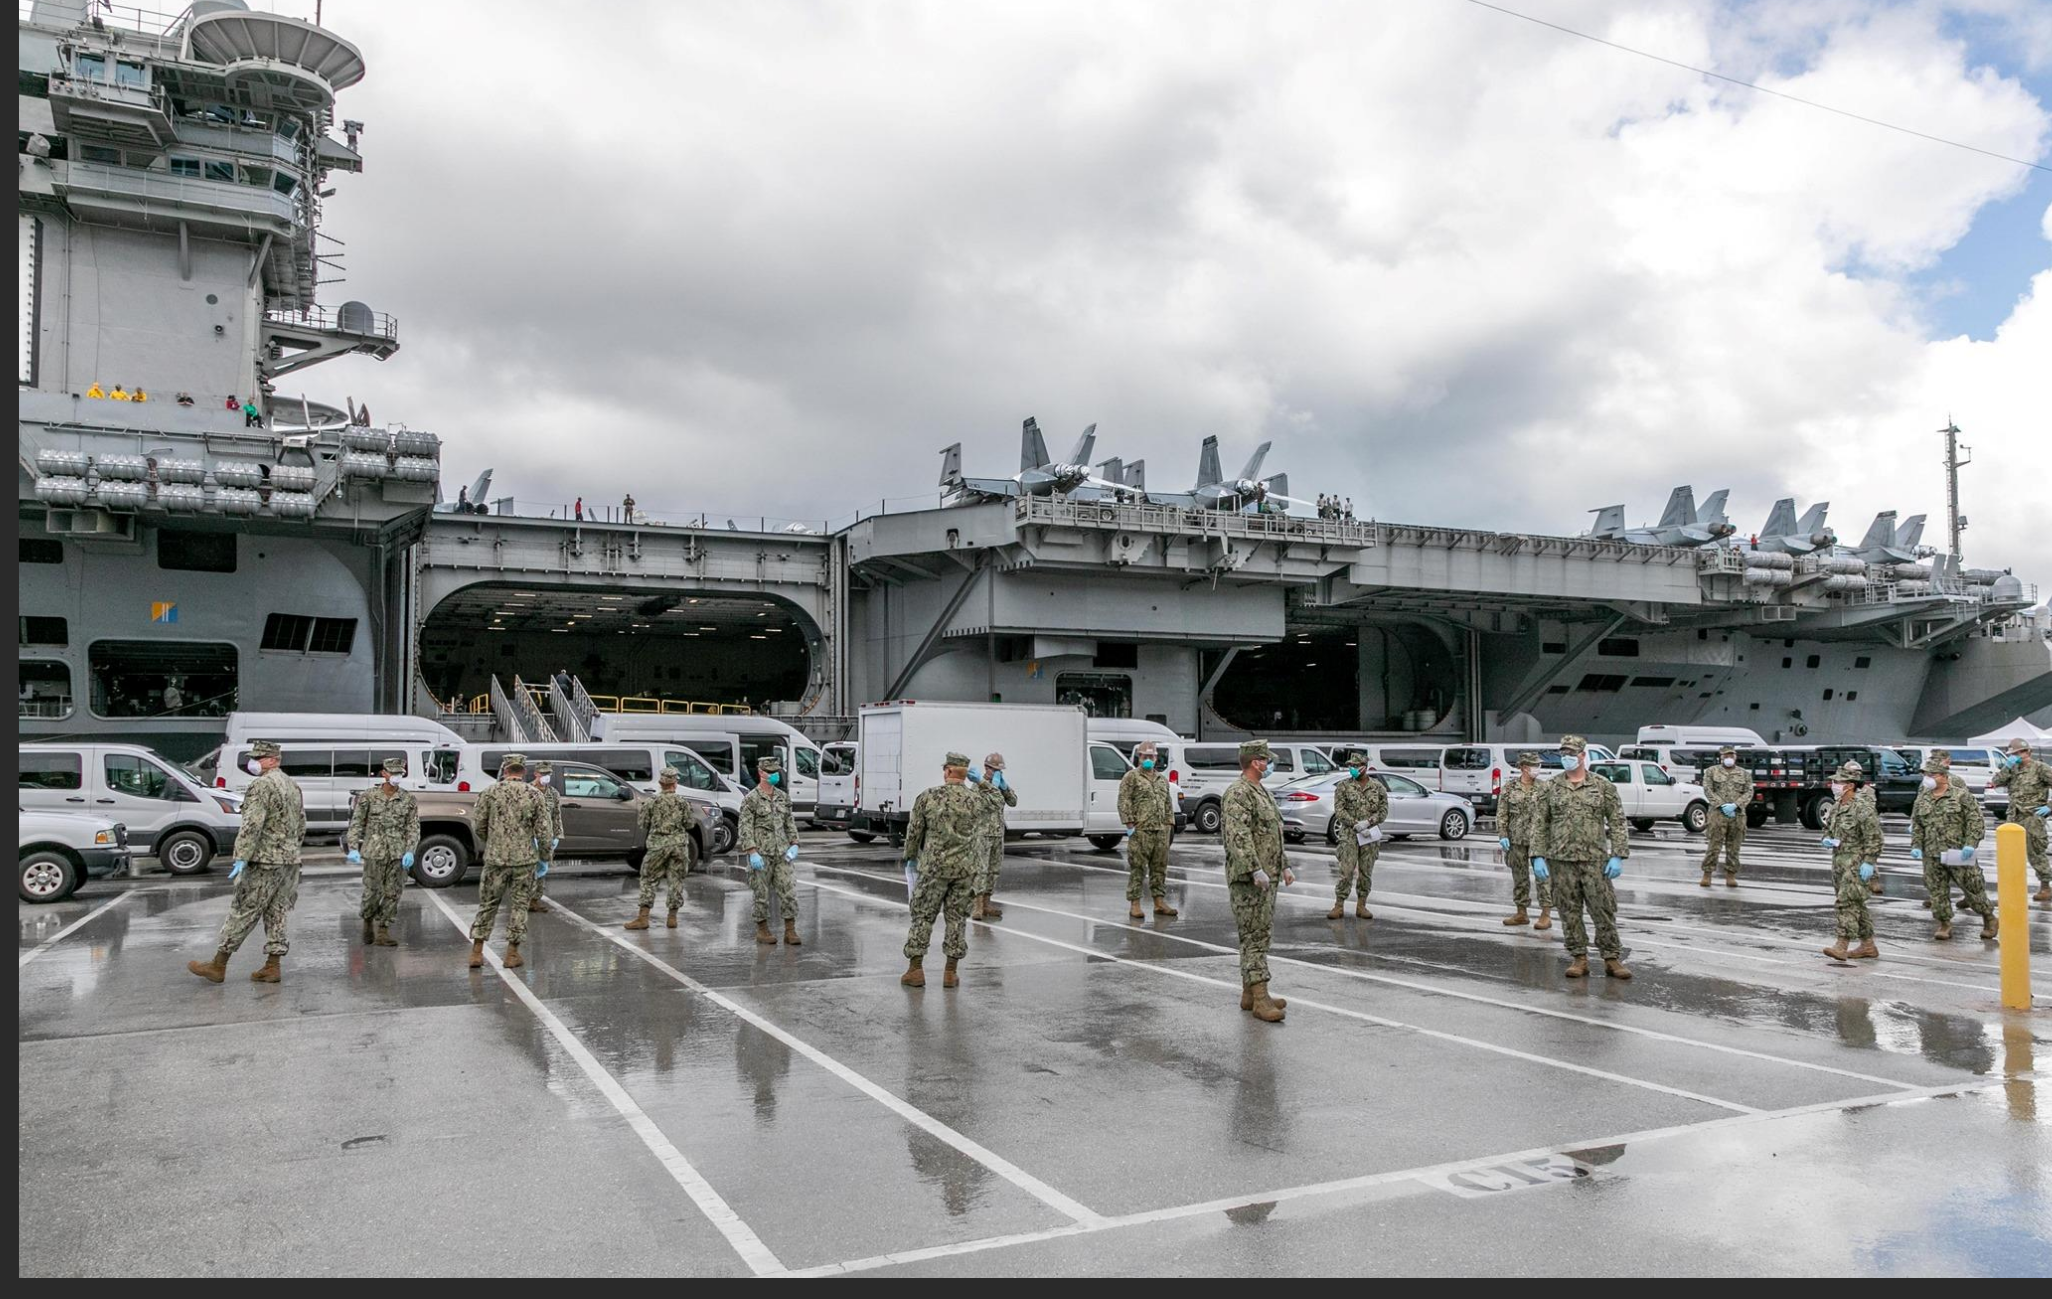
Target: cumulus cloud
(769,257)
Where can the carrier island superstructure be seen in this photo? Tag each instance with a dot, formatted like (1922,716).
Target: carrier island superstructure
(179,560)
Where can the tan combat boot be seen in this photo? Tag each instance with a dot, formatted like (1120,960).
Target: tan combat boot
(640,920)
(948,979)
(1545,920)
(1874,885)
(1989,927)
(476,953)
(212,971)
(763,934)
(536,905)
(670,921)
(1247,997)
(1265,1008)
(1837,951)
(1615,968)
(1578,968)
(1926,903)
(991,910)
(2044,893)
(1162,907)
(513,961)
(1519,919)
(1731,881)
(268,972)
(1943,932)
(1867,951)
(384,937)
(976,907)
(914,975)
(1133,911)
(792,939)
(1704,883)
(1361,910)
(1339,910)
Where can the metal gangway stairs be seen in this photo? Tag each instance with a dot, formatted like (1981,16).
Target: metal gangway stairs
(517,714)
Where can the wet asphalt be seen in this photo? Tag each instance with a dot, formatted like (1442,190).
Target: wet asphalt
(1440,1101)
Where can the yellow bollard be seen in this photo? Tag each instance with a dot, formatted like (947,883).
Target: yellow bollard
(2012,904)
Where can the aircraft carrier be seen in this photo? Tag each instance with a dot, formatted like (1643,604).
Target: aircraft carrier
(197,535)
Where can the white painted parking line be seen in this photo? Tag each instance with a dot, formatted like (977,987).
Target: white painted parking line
(1423,1174)
(1296,1000)
(716,1210)
(904,1109)
(1431,989)
(50,942)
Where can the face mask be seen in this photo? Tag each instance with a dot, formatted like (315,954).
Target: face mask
(1837,790)
(1731,762)
(255,768)
(1930,782)
(545,779)
(776,778)
(1355,772)
(1147,764)
(1570,761)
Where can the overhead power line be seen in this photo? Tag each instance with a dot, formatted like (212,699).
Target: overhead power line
(1778,94)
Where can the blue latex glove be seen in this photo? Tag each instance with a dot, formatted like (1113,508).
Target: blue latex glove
(1130,829)
(354,858)
(1916,854)
(975,776)
(555,843)
(912,864)
(236,869)
(1866,871)
(791,853)
(2012,760)
(541,869)
(1613,868)
(755,861)
(1729,809)
(1001,781)
(406,861)
(1539,868)
(1503,844)
(2044,811)
(1966,856)
(1828,842)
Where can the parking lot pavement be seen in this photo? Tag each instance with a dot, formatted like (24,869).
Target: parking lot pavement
(1089,1101)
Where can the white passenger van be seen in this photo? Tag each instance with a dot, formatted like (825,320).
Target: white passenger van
(334,756)
(1738,737)
(637,763)
(730,742)
(1202,771)
(1476,772)
(166,810)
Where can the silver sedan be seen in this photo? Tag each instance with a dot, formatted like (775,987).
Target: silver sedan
(1413,809)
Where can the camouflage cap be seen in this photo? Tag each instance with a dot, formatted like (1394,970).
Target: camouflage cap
(2018,745)
(768,763)
(1252,749)
(1728,751)
(995,761)
(668,775)
(1350,757)
(1573,744)
(1937,766)
(513,760)
(263,748)
(1530,759)
(395,764)
(1852,771)
(955,760)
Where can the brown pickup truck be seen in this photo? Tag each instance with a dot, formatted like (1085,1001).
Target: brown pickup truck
(599,822)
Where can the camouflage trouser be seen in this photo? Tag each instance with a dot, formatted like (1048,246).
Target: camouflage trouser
(943,896)
(1577,884)
(669,865)
(502,886)
(778,874)
(1356,868)
(1968,880)
(541,882)
(1519,859)
(2034,842)
(1147,863)
(1727,833)
(382,882)
(1254,918)
(1853,921)
(263,893)
(993,859)
(1935,882)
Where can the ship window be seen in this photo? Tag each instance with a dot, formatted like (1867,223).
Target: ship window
(286,631)
(100,153)
(1556,690)
(332,636)
(185,167)
(128,74)
(1851,695)
(147,678)
(89,66)
(1603,681)
(1553,647)
(1863,662)
(1787,662)
(196,552)
(283,182)
(50,771)
(258,176)
(36,85)
(220,170)
(1653,683)
(41,550)
(43,631)
(45,688)
(1815,660)
(1117,654)
(1827,694)
(1618,647)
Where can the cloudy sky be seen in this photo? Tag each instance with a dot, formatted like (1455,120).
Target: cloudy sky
(768,258)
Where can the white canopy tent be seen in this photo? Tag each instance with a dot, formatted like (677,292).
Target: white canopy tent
(2002,735)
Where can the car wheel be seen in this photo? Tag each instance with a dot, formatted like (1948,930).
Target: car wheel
(724,835)
(1642,823)
(48,877)
(1813,812)
(1210,816)
(638,855)
(1696,818)
(184,852)
(1454,825)
(1331,835)
(861,836)
(1106,842)
(440,861)
(1293,836)
(1756,816)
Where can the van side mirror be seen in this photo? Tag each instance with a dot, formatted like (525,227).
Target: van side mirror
(623,794)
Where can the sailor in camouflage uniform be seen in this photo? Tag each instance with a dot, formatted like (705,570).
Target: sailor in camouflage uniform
(1853,834)
(1515,808)
(383,835)
(1360,804)
(1946,826)
(665,822)
(2029,782)
(1148,811)
(552,799)
(1579,841)
(1728,788)
(509,819)
(266,871)
(1253,835)
(943,847)
(997,796)
(769,837)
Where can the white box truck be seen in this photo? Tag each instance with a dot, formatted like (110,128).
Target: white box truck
(903,745)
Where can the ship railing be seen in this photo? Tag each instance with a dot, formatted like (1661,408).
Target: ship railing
(646,705)
(127,17)
(1066,511)
(377,324)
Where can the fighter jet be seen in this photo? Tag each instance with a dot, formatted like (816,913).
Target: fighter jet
(1887,544)
(1214,491)
(473,502)
(1785,534)
(1680,524)
(1038,475)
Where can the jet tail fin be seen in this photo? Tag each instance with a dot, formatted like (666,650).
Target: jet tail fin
(1032,446)
(1112,471)
(1813,519)
(951,465)
(1713,508)
(1910,533)
(1681,508)
(1609,521)
(1880,533)
(1781,520)
(1279,485)
(1254,462)
(1135,476)
(1208,472)
(1084,446)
